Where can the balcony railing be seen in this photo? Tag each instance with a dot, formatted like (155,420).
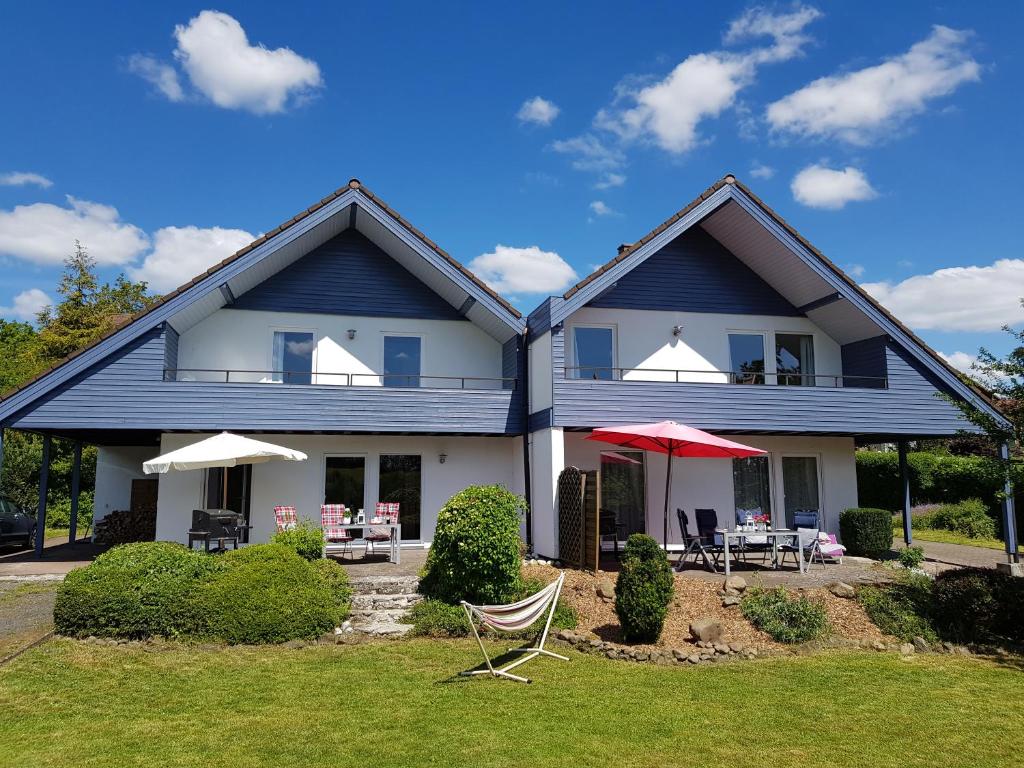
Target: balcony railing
(683,376)
(319,378)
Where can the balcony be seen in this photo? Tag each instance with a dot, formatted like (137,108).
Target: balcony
(740,378)
(320,378)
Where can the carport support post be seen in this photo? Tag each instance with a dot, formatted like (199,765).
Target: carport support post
(1,457)
(908,534)
(1009,516)
(76,482)
(44,479)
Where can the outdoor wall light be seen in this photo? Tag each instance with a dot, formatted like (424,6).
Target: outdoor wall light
(442,457)
(676,330)
(351,333)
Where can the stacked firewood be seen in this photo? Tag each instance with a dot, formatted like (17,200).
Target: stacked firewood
(123,526)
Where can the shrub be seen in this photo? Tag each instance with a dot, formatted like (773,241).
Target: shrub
(58,511)
(306,539)
(434,618)
(969,518)
(978,604)
(866,532)
(911,557)
(643,590)
(336,579)
(901,609)
(266,593)
(786,619)
(475,555)
(134,591)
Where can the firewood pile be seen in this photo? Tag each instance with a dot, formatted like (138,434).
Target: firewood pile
(123,526)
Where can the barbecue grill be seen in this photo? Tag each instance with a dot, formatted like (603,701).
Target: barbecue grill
(222,526)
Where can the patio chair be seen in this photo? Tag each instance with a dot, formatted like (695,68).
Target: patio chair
(331,519)
(388,513)
(610,526)
(706,543)
(516,617)
(805,518)
(286,518)
(806,545)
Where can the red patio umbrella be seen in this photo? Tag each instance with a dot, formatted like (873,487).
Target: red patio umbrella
(675,440)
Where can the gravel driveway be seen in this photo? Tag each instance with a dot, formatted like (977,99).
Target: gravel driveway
(26,613)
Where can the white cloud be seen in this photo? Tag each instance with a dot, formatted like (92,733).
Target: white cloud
(23,178)
(44,233)
(962,361)
(27,305)
(957,298)
(214,52)
(181,253)
(762,171)
(590,152)
(855,271)
(610,180)
(538,110)
(867,104)
(599,208)
(162,76)
(669,112)
(523,270)
(819,187)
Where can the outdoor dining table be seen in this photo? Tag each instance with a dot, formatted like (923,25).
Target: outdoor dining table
(772,534)
(396,536)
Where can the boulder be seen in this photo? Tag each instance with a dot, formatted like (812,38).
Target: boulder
(842,589)
(730,600)
(693,658)
(735,585)
(878,645)
(921,645)
(706,630)
(721,648)
(606,589)
(907,649)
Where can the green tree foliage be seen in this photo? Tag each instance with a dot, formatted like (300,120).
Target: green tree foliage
(643,590)
(16,344)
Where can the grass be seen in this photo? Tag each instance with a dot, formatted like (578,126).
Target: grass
(399,704)
(950,537)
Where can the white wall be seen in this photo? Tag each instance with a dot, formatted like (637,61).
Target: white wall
(243,340)
(470,461)
(115,469)
(540,373)
(644,340)
(707,483)
(547,460)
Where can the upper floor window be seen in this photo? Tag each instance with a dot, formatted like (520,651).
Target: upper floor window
(402,355)
(746,358)
(593,350)
(293,357)
(794,359)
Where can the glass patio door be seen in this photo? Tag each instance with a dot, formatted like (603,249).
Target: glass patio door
(345,481)
(400,481)
(800,486)
(623,489)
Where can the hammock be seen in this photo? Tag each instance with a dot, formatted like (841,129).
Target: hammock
(516,617)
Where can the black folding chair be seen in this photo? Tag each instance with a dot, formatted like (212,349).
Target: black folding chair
(609,525)
(703,543)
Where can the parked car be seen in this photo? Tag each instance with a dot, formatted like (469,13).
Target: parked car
(16,524)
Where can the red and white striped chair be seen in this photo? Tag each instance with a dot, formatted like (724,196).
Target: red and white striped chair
(286,518)
(331,519)
(388,513)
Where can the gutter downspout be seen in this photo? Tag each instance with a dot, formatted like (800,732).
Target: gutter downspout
(526,440)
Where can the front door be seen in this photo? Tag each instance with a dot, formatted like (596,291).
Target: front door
(623,489)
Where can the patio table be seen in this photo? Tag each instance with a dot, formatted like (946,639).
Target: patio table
(396,537)
(773,534)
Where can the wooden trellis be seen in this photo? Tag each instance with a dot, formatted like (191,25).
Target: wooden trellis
(579,541)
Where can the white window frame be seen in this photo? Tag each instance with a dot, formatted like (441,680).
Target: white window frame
(767,342)
(315,332)
(423,353)
(369,481)
(814,346)
(615,348)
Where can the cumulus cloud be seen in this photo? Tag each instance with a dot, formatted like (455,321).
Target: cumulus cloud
(161,76)
(859,107)
(27,305)
(668,112)
(975,298)
(538,110)
(523,270)
(214,51)
(830,188)
(762,171)
(181,253)
(43,233)
(590,153)
(600,208)
(610,180)
(962,361)
(23,178)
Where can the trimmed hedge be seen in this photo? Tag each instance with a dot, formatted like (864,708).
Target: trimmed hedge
(306,539)
(866,532)
(643,590)
(968,518)
(786,619)
(476,553)
(978,604)
(337,581)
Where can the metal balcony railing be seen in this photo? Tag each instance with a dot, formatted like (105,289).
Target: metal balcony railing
(321,378)
(683,376)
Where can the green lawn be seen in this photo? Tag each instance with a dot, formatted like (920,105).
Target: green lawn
(398,704)
(949,537)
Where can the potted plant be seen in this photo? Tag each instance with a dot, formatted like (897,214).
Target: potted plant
(346,517)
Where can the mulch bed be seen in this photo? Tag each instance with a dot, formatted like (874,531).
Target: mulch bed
(696,599)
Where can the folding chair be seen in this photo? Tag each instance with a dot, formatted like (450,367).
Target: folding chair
(285,518)
(515,617)
(388,513)
(806,546)
(331,520)
(705,543)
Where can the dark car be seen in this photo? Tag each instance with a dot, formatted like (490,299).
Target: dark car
(16,524)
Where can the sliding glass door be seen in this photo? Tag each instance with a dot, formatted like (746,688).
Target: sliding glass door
(800,486)
(751,487)
(401,481)
(345,481)
(623,489)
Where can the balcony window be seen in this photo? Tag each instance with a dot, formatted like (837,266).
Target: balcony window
(293,357)
(402,356)
(593,350)
(794,359)
(746,358)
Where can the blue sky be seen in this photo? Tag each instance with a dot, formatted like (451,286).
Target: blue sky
(887,133)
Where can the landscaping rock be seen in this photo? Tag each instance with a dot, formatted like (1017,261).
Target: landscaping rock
(736,647)
(606,589)
(907,649)
(878,645)
(921,645)
(707,630)
(735,585)
(678,654)
(730,600)
(721,648)
(842,589)
(693,658)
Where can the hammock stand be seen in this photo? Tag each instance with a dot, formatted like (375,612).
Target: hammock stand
(515,617)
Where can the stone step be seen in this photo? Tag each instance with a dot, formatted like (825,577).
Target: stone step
(382,628)
(383,602)
(384,585)
(387,615)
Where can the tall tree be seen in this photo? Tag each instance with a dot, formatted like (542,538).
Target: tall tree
(16,363)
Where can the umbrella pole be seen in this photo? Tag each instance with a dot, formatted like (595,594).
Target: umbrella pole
(225,494)
(668,492)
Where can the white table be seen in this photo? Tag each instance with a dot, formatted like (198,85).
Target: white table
(772,534)
(394,528)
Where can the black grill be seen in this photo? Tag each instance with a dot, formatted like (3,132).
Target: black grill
(218,525)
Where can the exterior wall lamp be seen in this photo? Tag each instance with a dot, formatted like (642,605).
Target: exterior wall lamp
(442,457)
(351,333)
(676,330)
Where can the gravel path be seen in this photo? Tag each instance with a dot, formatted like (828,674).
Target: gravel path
(26,613)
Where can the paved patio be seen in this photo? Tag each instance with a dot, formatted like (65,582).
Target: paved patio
(59,557)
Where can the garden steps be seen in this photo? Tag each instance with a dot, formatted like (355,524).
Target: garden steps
(379,604)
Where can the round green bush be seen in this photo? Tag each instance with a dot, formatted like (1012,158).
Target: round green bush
(475,555)
(978,604)
(266,593)
(133,591)
(911,557)
(786,619)
(336,579)
(305,538)
(643,590)
(866,532)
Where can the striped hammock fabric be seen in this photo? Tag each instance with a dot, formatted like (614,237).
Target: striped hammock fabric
(516,617)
